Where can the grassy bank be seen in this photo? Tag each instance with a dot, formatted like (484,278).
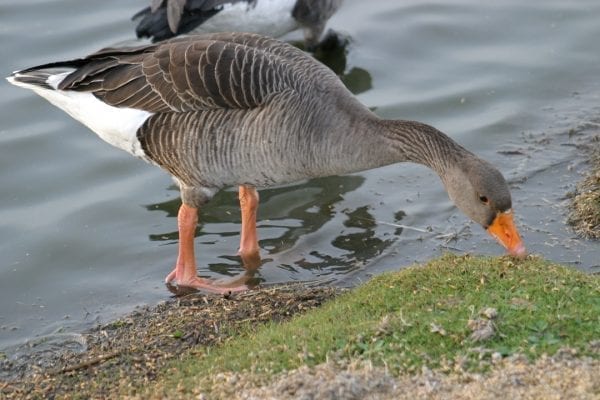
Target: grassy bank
(453,312)
(453,315)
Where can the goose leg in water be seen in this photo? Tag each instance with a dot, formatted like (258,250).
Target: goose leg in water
(249,250)
(185,272)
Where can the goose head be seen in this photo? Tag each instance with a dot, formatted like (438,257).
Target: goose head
(480,191)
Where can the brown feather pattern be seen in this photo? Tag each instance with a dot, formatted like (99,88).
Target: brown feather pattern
(194,73)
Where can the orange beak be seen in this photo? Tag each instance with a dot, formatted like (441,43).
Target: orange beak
(504,230)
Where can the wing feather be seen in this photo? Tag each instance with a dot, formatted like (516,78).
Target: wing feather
(216,71)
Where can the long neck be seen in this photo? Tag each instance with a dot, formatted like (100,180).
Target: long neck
(365,141)
(423,144)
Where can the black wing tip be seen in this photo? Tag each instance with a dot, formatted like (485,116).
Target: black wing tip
(34,78)
(57,64)
(38,75)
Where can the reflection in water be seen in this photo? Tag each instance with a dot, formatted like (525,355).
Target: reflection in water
(244,280)
(333,51)
(363,244)
(291,217)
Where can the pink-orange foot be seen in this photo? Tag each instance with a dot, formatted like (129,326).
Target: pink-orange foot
(195,282)
(185,273)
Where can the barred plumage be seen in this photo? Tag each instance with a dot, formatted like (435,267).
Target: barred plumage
(241,109)
(193,73)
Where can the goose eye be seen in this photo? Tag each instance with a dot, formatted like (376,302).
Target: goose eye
(483,199)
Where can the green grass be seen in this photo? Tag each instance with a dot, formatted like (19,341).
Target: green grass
(541,307)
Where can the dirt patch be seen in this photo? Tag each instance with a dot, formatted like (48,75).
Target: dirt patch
(129,353)
(563,376)
(584,213)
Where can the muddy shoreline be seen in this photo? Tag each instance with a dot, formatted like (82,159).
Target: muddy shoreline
(131,351)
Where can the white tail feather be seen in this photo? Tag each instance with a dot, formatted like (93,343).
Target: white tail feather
(115,125)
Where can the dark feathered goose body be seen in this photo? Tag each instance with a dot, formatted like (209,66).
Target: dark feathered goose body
(241,109)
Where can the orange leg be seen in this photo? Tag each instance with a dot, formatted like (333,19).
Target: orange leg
(249,250)
(185,272)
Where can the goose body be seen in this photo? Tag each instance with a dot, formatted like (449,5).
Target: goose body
(241,109)
(164,19)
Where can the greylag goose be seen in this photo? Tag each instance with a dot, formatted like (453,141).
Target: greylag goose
(240,109)
(164,19)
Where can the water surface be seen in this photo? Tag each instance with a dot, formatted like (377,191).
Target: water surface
(88,232)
